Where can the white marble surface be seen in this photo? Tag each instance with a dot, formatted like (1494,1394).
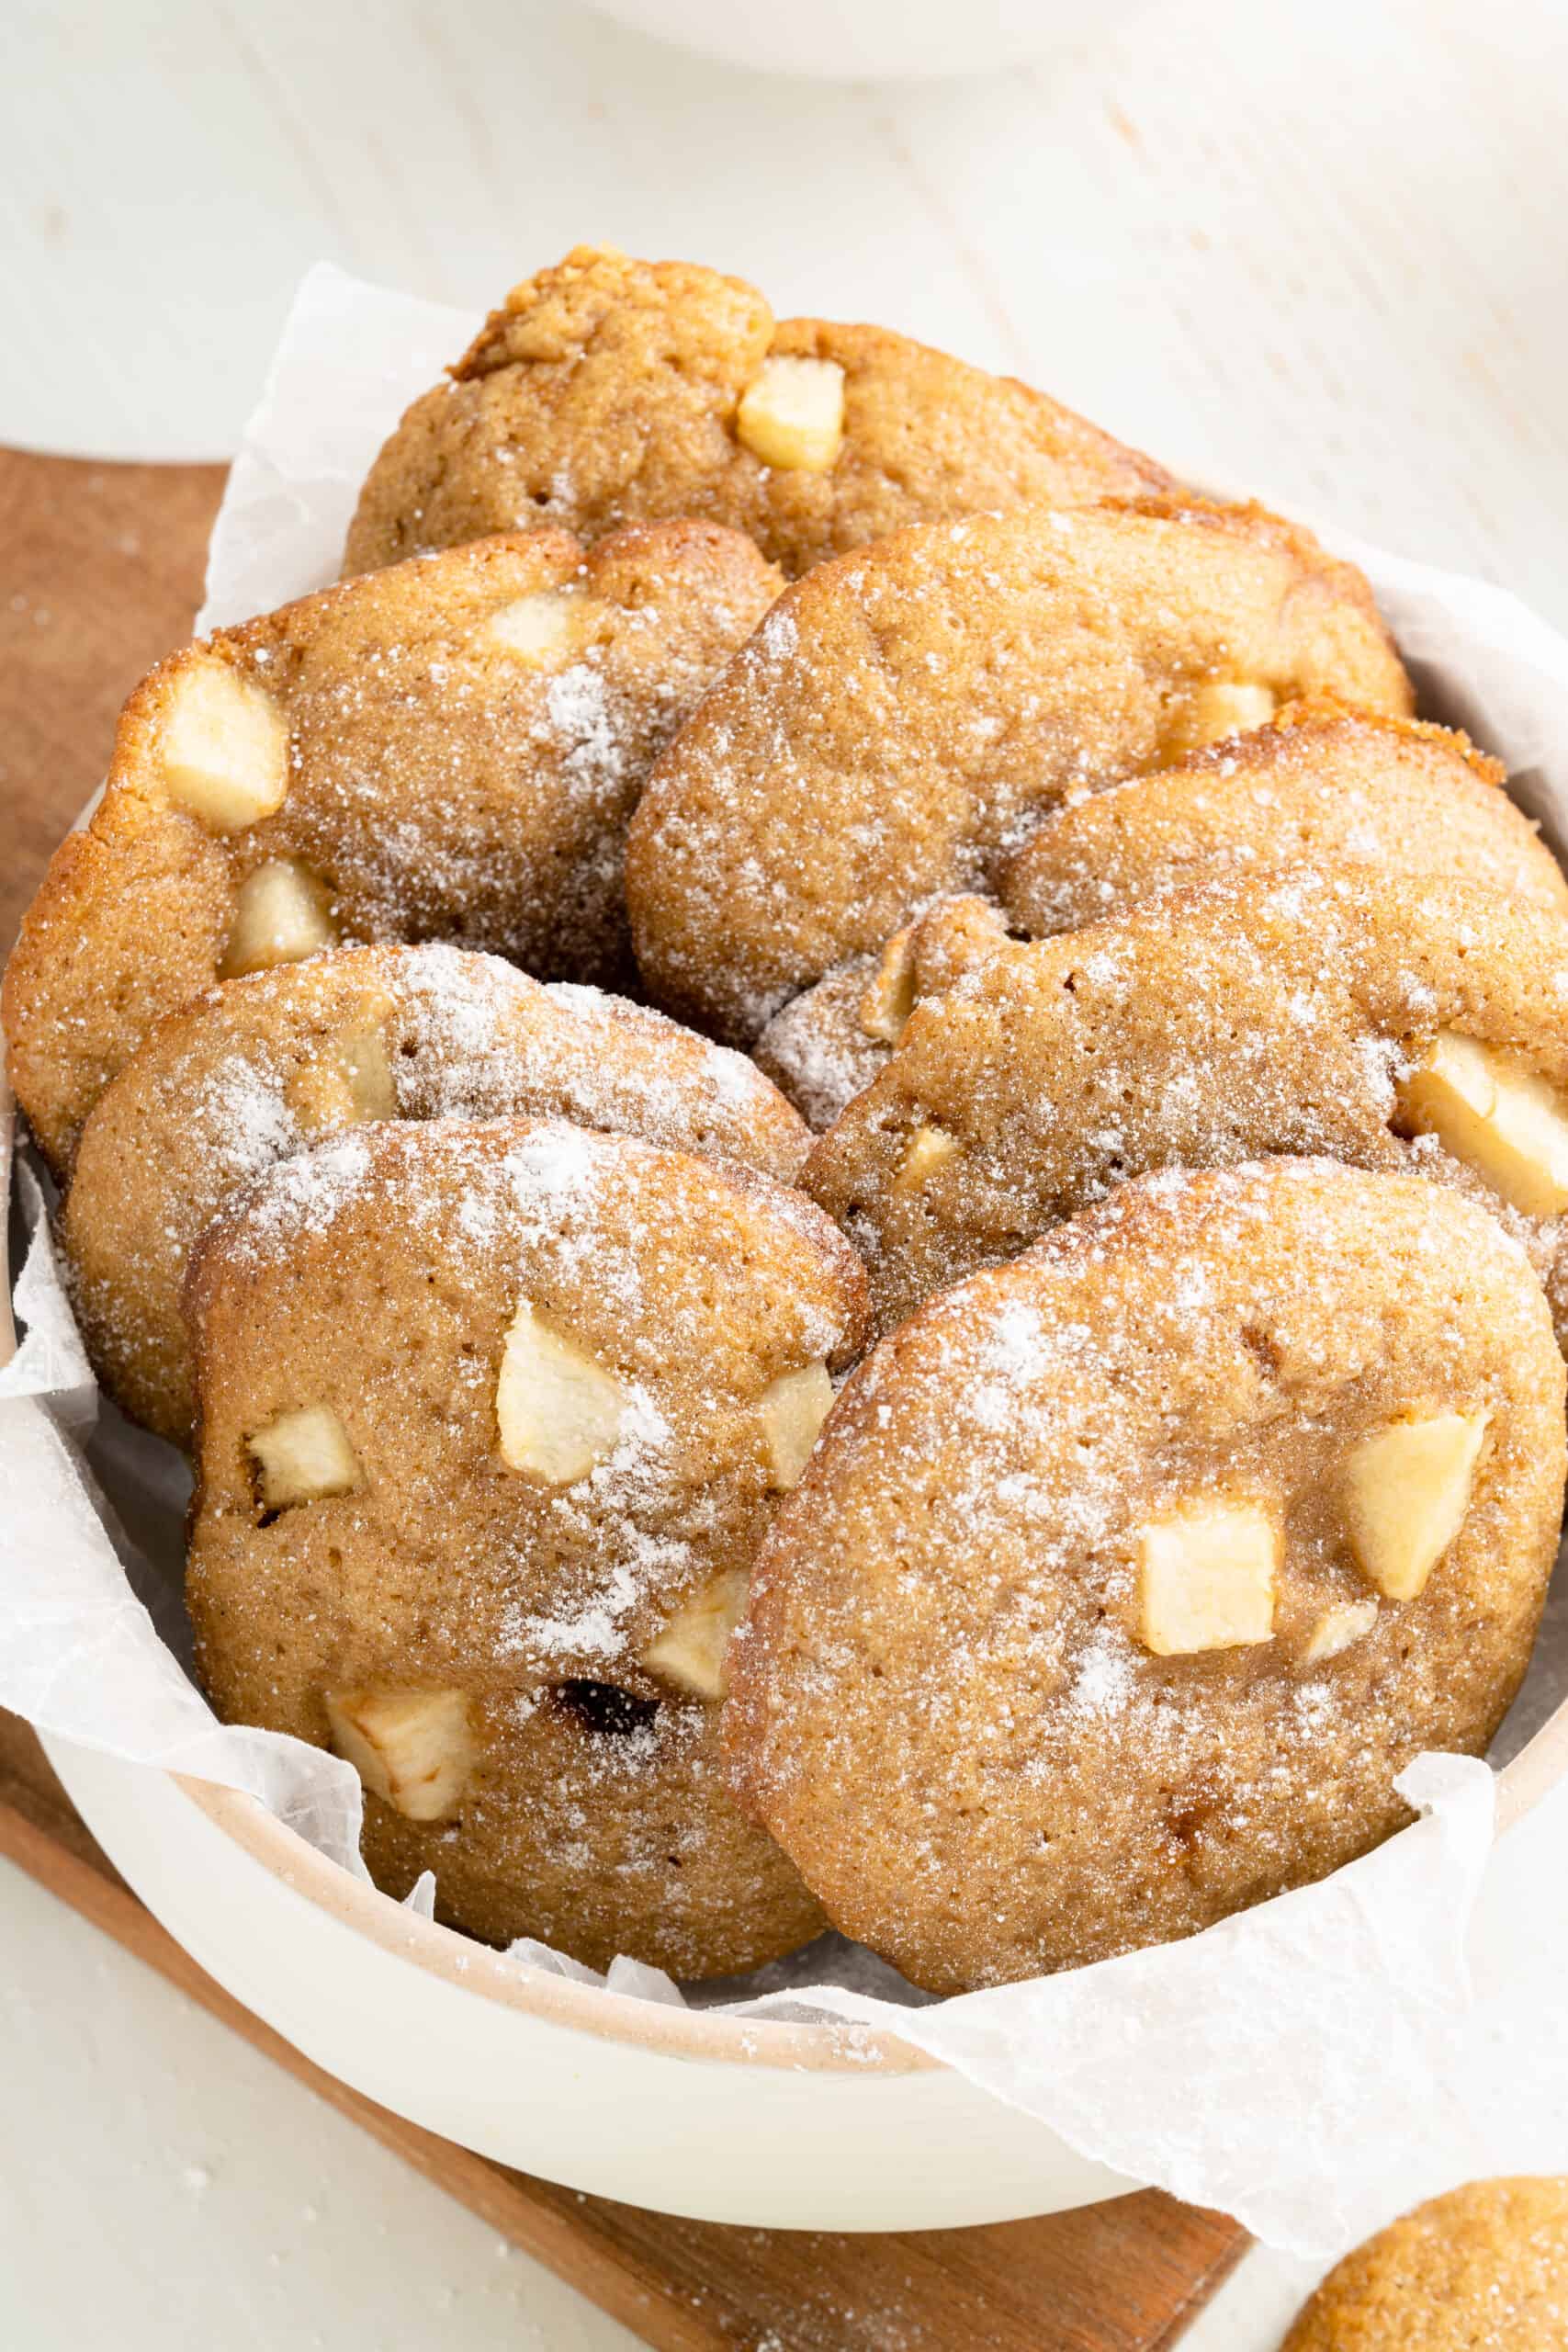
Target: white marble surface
(1320,253)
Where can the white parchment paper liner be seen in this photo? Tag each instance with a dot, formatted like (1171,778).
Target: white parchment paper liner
(1283,2065)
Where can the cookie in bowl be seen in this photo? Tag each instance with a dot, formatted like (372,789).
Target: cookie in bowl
(1317,782)
(607,391)
(1318,785)
(1387,1020)
(448,749)
(1125,1578)
(905,715)
(259,1069)
(492,1418)
(1483,2269)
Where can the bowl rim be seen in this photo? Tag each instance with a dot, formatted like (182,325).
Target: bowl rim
(661,2028)
(658,2026)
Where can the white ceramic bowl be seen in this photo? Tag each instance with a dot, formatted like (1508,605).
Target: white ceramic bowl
(692,2112)
(871,39)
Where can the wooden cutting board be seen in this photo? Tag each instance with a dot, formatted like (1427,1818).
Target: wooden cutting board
(100,573)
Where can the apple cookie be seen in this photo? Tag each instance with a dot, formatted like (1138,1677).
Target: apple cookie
(260,1067)
(607,391)
(1483,2269)
(492,1418)
(1390,1021)
(1125,1578)
(904,715)
(1318,785)
(449,749)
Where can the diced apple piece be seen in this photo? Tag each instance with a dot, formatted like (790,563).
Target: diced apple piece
(792,413)
(952,939)
(280,917)
(223,748)
(929,1149)
(1490,1110)
(540,630)
(351,1081)
(691,1649)
(1219,709)
(1338,1628)
(889,997)
(302,1455)
(363,1056)
(558,1411)
(1406,1491)
(1206,1577)
(414,1750)
(792,1409)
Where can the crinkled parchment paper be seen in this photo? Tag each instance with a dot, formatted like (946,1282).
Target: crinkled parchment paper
(1293,2065)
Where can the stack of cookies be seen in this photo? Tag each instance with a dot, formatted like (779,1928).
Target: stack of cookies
(1006,1381)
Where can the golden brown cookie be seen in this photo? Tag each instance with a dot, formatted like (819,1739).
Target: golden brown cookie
(1317,786)
(448,749)
(1319,783)
(259,1069)
(607,391)
(904,715)
(1125,1578)
(1386,1020)
(1483,2269)
(492,1418)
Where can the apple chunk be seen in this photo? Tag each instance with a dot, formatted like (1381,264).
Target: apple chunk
(793,1408)
(1338,1628)
(349,1082)
(223,750)
(690,1648)
(890,996)
(929,1148)
(558,1410)
(302,1455)
(1404,1492)
(414,1750)
(1490,1110)
(1206,1577)
(1219,709)
(792,413)
(538,631)
(280,917)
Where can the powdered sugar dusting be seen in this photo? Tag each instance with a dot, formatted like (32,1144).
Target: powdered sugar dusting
(578,713)
(303,1194)
(239,1114)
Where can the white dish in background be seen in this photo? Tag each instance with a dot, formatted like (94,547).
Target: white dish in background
(871,41)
